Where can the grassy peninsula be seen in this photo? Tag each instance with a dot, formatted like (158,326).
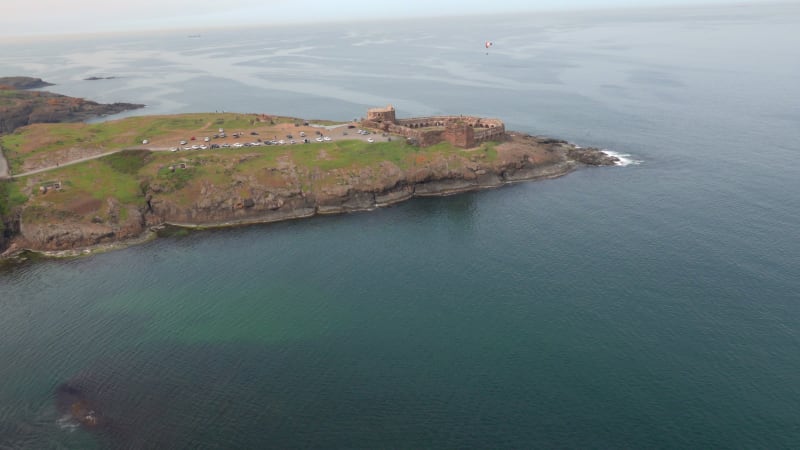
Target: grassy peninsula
(78,185)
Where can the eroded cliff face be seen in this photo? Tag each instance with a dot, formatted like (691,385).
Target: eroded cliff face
(54,231)
(287,191)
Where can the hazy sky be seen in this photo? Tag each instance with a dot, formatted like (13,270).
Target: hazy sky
(24,17)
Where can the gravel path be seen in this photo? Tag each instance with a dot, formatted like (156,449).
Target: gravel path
(80,160)
(338,132)
(3,166)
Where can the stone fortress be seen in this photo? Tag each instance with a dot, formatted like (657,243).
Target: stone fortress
(461,131)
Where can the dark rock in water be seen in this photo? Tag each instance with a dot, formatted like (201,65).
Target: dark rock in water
(72,400)
(98,78)
(592,156)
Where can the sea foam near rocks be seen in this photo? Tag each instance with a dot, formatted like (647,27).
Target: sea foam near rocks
(625,159)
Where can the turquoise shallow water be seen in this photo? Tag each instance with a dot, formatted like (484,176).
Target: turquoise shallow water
(651,305)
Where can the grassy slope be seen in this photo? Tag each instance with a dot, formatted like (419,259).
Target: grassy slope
(35,140)
(124,176)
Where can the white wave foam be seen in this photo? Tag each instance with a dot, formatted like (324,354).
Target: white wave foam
(67,423)
(624,158)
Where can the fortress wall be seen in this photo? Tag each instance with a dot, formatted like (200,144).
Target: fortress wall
(424,138)
(431,137)
(462,131)
(487,134)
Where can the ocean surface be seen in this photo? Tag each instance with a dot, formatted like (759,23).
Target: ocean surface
(655,304)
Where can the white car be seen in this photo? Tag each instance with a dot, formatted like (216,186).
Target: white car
(195,147)
(173,149)
(183,142)
(370,140)
(207,139)
(203,147)
(327,138)
(238,145)
(319,139)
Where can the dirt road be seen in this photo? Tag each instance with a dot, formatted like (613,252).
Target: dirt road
(3,166)
(338,132)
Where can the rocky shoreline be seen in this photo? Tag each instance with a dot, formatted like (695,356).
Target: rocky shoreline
(25,106)
(206,192)
(224,206)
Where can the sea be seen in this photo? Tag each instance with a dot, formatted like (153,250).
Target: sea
(654,304)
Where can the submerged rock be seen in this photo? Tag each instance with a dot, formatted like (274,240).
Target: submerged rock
(73,402)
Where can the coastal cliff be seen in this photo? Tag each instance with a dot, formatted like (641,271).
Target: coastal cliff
(286,190)
(20,106)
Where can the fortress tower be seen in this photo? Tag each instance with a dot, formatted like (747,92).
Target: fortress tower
(381,115)
(459,134)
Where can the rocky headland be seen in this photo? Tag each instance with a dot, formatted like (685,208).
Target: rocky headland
(290,191)
(20,106)
(80,188)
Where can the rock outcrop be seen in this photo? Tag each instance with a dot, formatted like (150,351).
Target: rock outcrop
(22,106)
(70,233)
(22,83)
(290,192)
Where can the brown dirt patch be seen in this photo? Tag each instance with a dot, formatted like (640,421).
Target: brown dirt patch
(521,145)
(84,205)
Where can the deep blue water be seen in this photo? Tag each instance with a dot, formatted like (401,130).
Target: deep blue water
(651,305)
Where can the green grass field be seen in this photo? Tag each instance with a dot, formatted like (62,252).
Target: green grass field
(36,142)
